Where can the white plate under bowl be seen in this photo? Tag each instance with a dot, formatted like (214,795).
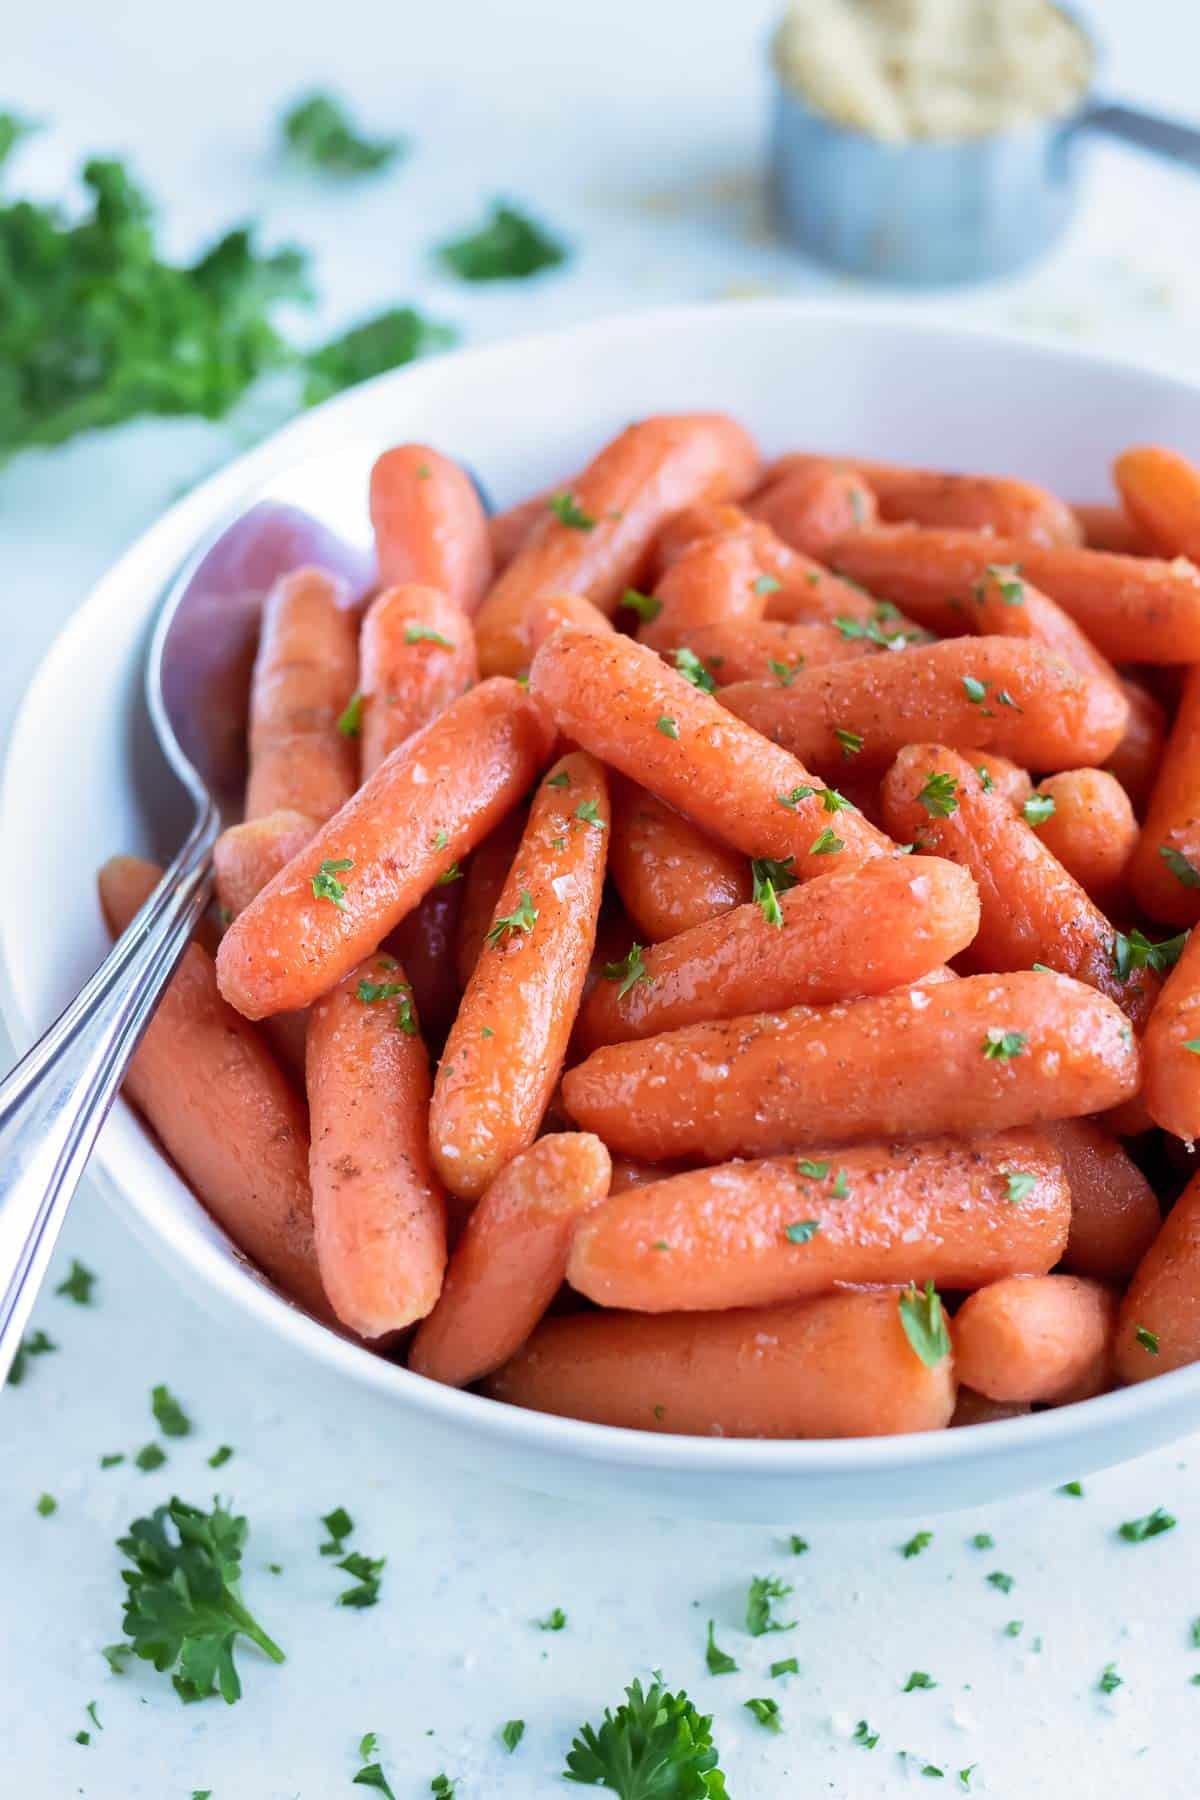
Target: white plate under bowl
(80,783)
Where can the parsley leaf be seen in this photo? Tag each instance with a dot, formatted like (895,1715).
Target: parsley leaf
(523,919)
(771,878)
(1008,580)
(924,1323)
(509,246)
(1147,1339)
(919,1541)
(339,1525)
(803,1231)
(182,1606)
(568,511)
(667,726)
(149,1458)
(1136,951)
(998,1579)
(864,1736)
(826,843)
(766,584)
(220,1456)
(1109,1680)
(761,1595)
(785,673)
(851,741)
(656,1746)
(349,723)
(939,795)
(36,1344)
(719,1661)
(1072,1488)
(1020,1185)
(511,1734)
(46,1505)
(78,1284)
(797,1545)
(588,811)
(1136,1531)
(171,1419)
(976,691)
(371,1775)
(325,883)
(367,1571)
(1002,1046)
(318,130)
(555,1620)
(1038,808)
(1185,872)
(415,633)
(766,1712)
(918,1680)
(644,605)
(693,670)
(629,972)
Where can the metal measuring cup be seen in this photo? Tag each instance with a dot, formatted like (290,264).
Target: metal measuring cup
(943,211)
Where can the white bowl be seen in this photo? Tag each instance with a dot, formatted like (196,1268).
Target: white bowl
(80,783)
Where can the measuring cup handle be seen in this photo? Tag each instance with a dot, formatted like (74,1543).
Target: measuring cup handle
(1149,131)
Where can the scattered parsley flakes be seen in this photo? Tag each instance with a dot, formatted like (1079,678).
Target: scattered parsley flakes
(443,1788)
(797,1545)
(416,633)
(763,1592)
(656,1743)
(36,1344)
(644,605)
(349,724)
(813,1171)
(371,1774)
(667,726)
(509,246)
(523,919)
(1002,1046)
(367,1572)
(924,1322)
(555,1619)
(864,1737)
(561,780)
(220,1456)
(78,1284)
(919,1541)
(511,1734)
(851,741)
(766,1712)
(1008,580)
(339,1525)
(1020,1184)
(788,1665)
(767,584)
(171,1419)
(939,795)
(568,511)
(693,670)
(1185,872)
(771,878)
(588,813)
(918,1680)
(453,873)
(1038,808)
(319,131)
(719,1661)
(1109,1680)
(826,843)
(785,673)
(1192,1044)
(1147,1339)
(803,792)
(1014,1628)
(112,1459)
(325,883)
(976,691)
(1004,698)
(803,1231)
(628,972)
(1074,1489)
(998,1579)
(1136,951)
(149,1458)
(983,1540)
(46,1505)
(1136,1531)
(985,780)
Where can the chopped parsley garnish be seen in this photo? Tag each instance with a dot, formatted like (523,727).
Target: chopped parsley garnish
(36,1344)
(1004,698)
(1136,1531)
(443,1788)
(523,919)
(1192,1044)
(870,629)
(1135,951)
(112,1459)
(46,1505)
(985,780)
(1020,1184)
(917,1680)
(1147,1339)
(803,1231)
(763,1592)
(644,605)
(367,1572)
(416,633)
(1002,1046)
(349,723)
(1007,579)
(339,1525)
(555,1619)
(1109,1680)
(149,1458)
(220,1456)
(453,873)
(851,741)
(509,246)
(1184,871)
(797,1545)
(803,792)
(767,584)
(864,1737)
(667,726)
(787,1665)
(656,1746)
(511,1734)
(919,1541)
(319,131)
(766,1712)
(983,1540)
(826,843)
(568,511)
(371,1774)
(1038,808)
(183,1610)
(693,670)
(588,812)
(813,1171)
(771,878)
(1072,1488)
(172,1421)
(629,972)
(939,795)
(924,1322)
(998,1579)
(561,780)
(785,673)
(1014,1628)
(976,691)
(719,1661)
(78,1284)
(325,883)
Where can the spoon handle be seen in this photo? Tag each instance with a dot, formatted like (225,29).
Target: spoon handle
(1149,131)
(54,1102)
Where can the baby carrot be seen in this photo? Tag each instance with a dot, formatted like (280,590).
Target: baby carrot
(418,654)
(506,1046)
(1031,909)
(717,579)
(1133,608)
(511,1259)
(813,509)
(1161,492)
(1003,604)
(857,931)
(246,857)
(224,1113)
(618,700)
(595,538)
(669,874)
(1114,1214)
(1108,527)
(981,1054)
(430,526)
(757,1233)
(304,677)
(972,693)
(1172,1048)
(841,1366)
(1049,1338)
(431,801)
(936,498)
(1091,830)
(487,872)
(1136,759)
(1165,881)
(1158,1327)
(379,1212)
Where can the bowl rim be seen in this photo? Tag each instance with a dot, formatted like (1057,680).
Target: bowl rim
(238,1284)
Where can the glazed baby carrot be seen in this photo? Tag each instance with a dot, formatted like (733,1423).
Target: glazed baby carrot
(716,579)
(972,693)
(246,857)
(670,876)
(511,1258)
(813,509)
(841,1366)
(1003,604)
(1135,760)
(1091,830)
(757,1233)
(858,931)
(1165,881)
(1161,492)
(1114,1214)
(1158,1327)
(976,1409)
(378,1209)
(418,654)
(487,872)
(981,1054)
(1133,608)
(422,810)
(226,1116)
(509,529)
(1031,909)
(426,941)
(505,1048)
(1108,527)
(430,526)
(304,678)
(618,700)
(1049,1338)
(595,538)
(934,497)
(1172,1046)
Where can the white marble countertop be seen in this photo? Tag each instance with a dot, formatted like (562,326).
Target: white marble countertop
(637,130)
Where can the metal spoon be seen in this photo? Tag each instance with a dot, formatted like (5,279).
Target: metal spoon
(197,677)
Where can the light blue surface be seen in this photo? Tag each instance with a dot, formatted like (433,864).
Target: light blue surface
(639,135)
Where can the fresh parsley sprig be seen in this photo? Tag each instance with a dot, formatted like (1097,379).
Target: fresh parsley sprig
(655,1746)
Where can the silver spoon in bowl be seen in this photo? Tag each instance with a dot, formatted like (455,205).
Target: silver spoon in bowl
(197,680)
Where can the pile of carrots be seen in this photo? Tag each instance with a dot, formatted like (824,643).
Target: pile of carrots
(707,948)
